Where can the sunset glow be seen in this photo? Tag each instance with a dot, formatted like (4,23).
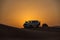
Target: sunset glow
(16,12)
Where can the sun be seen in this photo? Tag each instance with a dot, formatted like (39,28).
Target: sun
(27,18)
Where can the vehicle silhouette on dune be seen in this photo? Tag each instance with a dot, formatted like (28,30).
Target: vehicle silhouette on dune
(31,24)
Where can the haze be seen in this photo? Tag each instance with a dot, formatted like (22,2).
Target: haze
(16,12)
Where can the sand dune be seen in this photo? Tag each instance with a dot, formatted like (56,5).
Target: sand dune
(11,33)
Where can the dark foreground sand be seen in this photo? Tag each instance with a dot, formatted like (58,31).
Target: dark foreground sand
(9,33)
(31,35)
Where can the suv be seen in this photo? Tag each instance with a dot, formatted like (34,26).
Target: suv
(31,24)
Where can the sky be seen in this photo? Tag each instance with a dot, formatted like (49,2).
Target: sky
(16,12)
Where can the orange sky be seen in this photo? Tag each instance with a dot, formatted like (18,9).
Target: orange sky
(16,12)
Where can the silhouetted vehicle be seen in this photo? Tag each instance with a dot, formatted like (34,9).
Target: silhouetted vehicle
(44,26)
(31,24)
